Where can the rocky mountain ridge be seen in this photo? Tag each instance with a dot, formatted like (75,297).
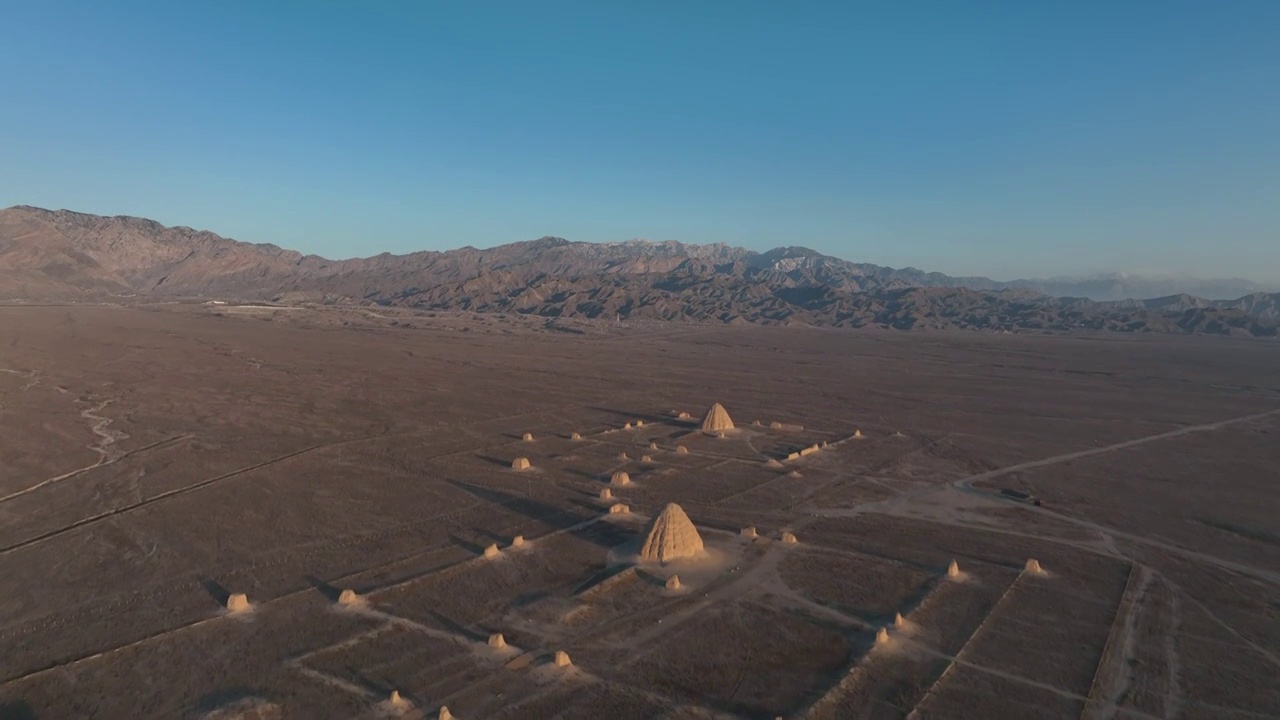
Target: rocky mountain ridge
(65,255)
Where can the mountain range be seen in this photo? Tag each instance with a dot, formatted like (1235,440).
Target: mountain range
(67,256)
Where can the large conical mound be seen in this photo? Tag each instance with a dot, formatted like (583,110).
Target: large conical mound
(717,418)
(671,536)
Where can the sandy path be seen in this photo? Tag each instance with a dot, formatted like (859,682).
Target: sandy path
(32,376)
(335,682)
(957,661)
(186,626)
(1173,698)
(1258,573)
(1106,533)
(87,468)
(1114,674)
(204,483)
(967,482)
(1264,652)
(155,498)
(106,438)
(63,666)
(903,505)
(954,659)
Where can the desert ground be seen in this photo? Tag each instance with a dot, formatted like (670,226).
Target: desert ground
(157,460)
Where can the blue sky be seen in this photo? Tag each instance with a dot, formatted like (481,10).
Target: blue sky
(999,138)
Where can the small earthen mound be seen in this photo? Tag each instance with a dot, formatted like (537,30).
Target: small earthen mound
(653,446)
(684,416)
(673,582)
(953,570)
(749,532)
(606,494)
(857,433)
(492,551)
(773,464)
(795,474)
(520,464)
(775,425)
(497,641)
(528,437)
(237,602)
(620,479)
(671,536)
(517,541)
(717,419)
(626,426)
(789,539)
(755,423)
(396,701)
(562,659)
(444,714)
(348,597)
(882,636)
(682,450)
(575,436)
(623,456)
(899,621)
(618,509)
(639,423)
(646,459)
(1033,566)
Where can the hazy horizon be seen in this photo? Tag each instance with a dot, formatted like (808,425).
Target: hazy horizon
(1028,142)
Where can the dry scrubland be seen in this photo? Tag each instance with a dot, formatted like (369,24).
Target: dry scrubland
(154,460)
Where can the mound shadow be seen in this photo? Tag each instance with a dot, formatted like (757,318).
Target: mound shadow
(632,415)
(330,592)
(588,505)
(495,460)
(216,590)
(18,710)
(584,474)
(559,518)
(497,538)
(469,546)
(650,578)
(457,629)
(219,699)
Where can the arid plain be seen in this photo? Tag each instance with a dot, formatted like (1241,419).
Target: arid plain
(155,460)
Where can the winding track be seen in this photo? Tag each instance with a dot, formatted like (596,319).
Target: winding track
(967,482)
(966,485)
(102,461)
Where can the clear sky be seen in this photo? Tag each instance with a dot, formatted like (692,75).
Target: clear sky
(1016,138)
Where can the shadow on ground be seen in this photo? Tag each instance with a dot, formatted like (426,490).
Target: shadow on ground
(19,710)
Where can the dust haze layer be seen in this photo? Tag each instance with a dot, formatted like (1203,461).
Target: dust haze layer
(62,255)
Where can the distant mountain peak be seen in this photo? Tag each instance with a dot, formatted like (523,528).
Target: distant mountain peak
(793,251)
(548,241)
